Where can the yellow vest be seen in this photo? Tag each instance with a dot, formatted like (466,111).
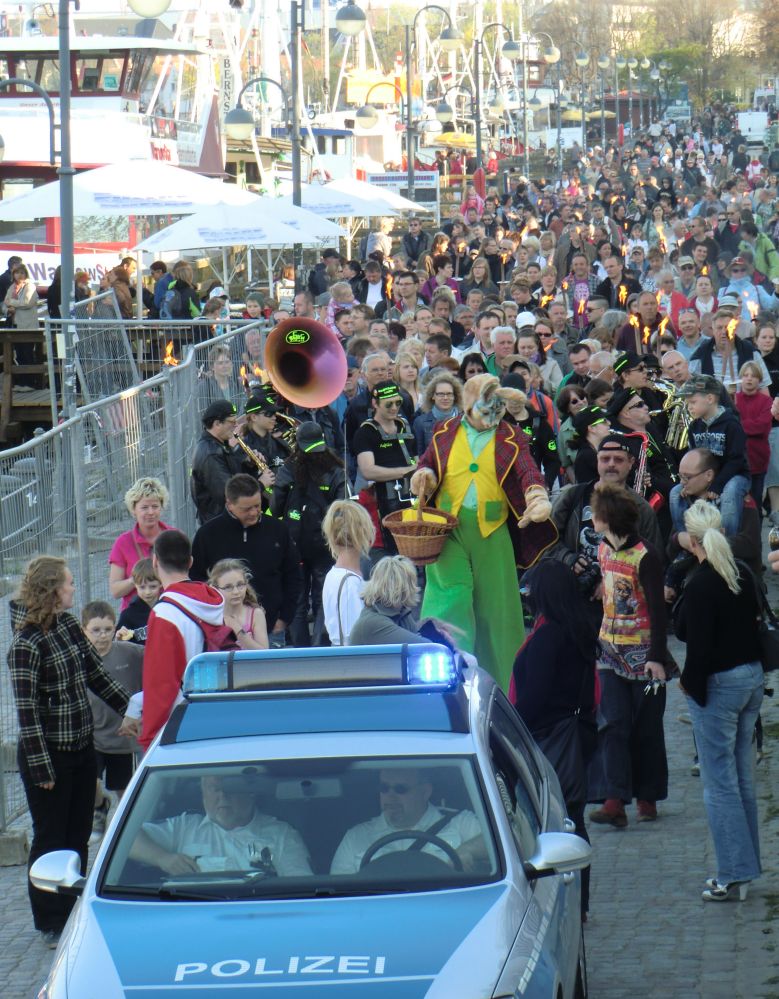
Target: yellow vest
(462,469)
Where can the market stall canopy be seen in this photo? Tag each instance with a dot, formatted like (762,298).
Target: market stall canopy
(265,222)
(378,195)
(332,204)
(136,187)
(453,140)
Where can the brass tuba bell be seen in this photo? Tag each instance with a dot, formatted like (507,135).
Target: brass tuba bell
(305,362)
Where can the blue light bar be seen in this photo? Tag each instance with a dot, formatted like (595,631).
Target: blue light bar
(286,670)
(431,665)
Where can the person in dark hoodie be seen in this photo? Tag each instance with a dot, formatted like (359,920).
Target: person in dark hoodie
(214,460)
(718,429)
(262,542)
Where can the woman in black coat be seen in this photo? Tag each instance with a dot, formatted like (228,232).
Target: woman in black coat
(554,676)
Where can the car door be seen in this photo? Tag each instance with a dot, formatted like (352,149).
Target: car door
(545,952)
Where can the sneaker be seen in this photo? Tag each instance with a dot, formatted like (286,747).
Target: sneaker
(774,518)
(611,814)
(647,811)
(695,769)
(51,938)
(99,822)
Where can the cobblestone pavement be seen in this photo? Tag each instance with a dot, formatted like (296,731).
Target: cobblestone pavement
(649,934)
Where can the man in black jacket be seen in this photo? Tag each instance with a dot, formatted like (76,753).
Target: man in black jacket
(618,286)
(415,242)
(214,461)
(262,542)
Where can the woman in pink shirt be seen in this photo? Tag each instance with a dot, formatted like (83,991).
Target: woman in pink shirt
(144,499)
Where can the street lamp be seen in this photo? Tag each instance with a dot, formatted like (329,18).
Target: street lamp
(620,62)
(239,125)
(350,20)
(654,76)
(632,64)
(449,39)
(603,65)
(149,8)
(511,50)
(367,116)
(643,65)
(551,56)
(582,60)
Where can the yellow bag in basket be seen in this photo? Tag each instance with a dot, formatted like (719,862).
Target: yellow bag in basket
(427,518)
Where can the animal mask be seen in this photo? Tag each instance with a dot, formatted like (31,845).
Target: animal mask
(484,402)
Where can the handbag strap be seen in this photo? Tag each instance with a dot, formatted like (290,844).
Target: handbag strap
(763,606)
(345,576)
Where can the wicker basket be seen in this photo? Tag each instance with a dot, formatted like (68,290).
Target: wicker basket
(419,540)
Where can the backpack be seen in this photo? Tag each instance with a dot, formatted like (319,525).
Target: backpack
(216,637)
(170,307)
(305,511)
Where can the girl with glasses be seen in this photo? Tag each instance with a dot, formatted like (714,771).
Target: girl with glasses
(242,610)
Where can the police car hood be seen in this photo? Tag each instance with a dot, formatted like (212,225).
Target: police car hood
(437,945)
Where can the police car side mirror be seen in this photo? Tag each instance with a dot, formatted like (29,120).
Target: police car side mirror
(59,872)
(557,853)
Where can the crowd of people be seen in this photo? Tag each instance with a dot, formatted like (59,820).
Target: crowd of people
(584,373)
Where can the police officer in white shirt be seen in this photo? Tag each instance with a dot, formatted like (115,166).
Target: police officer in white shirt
(404,795)
(232,835)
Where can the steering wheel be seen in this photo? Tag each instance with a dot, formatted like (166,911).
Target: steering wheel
(416,834)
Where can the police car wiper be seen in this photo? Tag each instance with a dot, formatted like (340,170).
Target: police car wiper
(174,894)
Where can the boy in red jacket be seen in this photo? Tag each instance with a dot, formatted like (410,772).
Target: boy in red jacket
(173,637)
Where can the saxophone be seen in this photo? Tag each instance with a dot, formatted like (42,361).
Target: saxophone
(254,456)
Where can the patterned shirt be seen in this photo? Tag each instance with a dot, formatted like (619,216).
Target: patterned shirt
(50,673)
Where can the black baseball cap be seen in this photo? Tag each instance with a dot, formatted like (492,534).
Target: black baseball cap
(260,404)
(310,438)
(614,442)
(220,410)
(588,416)
(627,362)
(385,390)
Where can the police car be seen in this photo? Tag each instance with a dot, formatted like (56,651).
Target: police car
(336,822)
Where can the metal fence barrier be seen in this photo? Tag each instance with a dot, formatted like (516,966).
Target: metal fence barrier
(62,494)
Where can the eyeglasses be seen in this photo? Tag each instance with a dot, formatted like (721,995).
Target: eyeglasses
(385,788)
(738,270)
(393,403)
(687,267)
(688,476)
(232,587)
(443,395)
(637,405)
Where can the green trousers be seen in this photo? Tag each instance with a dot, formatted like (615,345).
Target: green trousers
(473,586)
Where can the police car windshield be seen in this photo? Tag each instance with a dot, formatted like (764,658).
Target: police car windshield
(303,828)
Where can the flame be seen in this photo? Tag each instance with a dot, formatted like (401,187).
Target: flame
(659,297)
(613,198)
(661,328)
(705,270)
(647,334)
(624,249)
(389,287)
(732,326)
(623,294)
(546,299)
(663,246)
(581,306)
(523,232)
(634,321)
(242,372)
(754,308)
(259,373)
(169,359)
(565,286)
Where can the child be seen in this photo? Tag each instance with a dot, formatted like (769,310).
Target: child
(131,626)
(719,430)
(242,611)
(113,753)
(754,408)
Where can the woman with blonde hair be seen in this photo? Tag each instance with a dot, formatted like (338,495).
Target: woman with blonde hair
(480,277)
(391,597)
(405,372)
(52,664)
(242,610)
(145,500)
(349,532)
(723,680)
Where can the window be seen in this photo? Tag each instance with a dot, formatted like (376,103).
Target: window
(260,829)
(518,779)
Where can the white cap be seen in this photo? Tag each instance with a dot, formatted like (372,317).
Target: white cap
(218,292)
(525,319)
